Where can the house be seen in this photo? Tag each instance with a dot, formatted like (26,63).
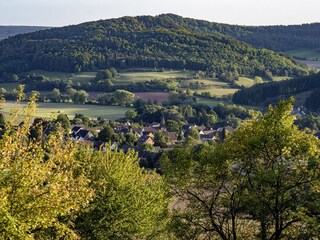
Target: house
(208,135)
(138,131)
(172,136)
(186,127)
(122,129)
(75,129)
(155,125)
(83,135)
(145,140)
(147,130)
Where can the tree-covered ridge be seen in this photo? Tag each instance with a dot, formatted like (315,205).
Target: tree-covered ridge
(138,42)
(277,38)
(261,92)
(8,31)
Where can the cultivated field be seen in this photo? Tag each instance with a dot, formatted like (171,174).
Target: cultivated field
(51,110)
(142,76)
(160,97)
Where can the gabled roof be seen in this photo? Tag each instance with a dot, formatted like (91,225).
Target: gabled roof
(76,128)
(83,133)
(171,135)
(144,139)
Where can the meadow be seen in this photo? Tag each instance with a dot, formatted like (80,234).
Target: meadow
(51,110)
(303,53)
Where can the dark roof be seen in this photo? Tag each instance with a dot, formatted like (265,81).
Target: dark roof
(188,126)
(149,129)
(83,133)
(126,148)
(143,139)
(75,128)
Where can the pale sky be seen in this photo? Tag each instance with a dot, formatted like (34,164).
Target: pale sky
(241,12)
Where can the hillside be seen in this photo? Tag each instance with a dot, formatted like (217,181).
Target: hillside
(278,38)
(138,42)
(9,31)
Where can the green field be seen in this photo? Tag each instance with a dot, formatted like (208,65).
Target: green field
(245,81)
(218,92)
(307,54)
(51,110)
(213,102)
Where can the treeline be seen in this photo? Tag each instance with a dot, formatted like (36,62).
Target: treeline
(138,42)
(277,38)
(313,101)
(262,92)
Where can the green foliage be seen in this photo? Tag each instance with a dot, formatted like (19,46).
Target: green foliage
(107,134)
(261,182)
(131,114)
(313,101)
(147,147)
(64,121)
(43,186)
(80,97)
(164,41)
(129,203)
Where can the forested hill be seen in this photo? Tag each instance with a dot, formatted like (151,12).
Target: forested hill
(277,38)
(8,31)
(143,41)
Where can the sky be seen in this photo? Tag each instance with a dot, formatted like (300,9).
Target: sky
(241,12)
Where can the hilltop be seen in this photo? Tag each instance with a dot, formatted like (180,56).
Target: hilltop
(166,41)
(9,31)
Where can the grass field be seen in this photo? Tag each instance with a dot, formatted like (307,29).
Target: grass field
(245,81)
(307,54)
(281,78)
(213,102)
(49,110)
(219,92)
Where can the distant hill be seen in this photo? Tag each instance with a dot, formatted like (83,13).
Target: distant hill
(9,31)
(166,41)
(278,38)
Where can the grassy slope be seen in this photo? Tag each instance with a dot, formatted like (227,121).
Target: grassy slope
(307,54)
(51,110)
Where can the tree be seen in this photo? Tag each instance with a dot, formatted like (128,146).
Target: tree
(262,182)
(131,114)
(278,164)
(2,121)
(80,97)
(104,74)
(55,95)
(129,203)
(107,134)
(42,187)
(123,97)
(160,139)
(147,147)
(193,133)
(64,121)
(114,72)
